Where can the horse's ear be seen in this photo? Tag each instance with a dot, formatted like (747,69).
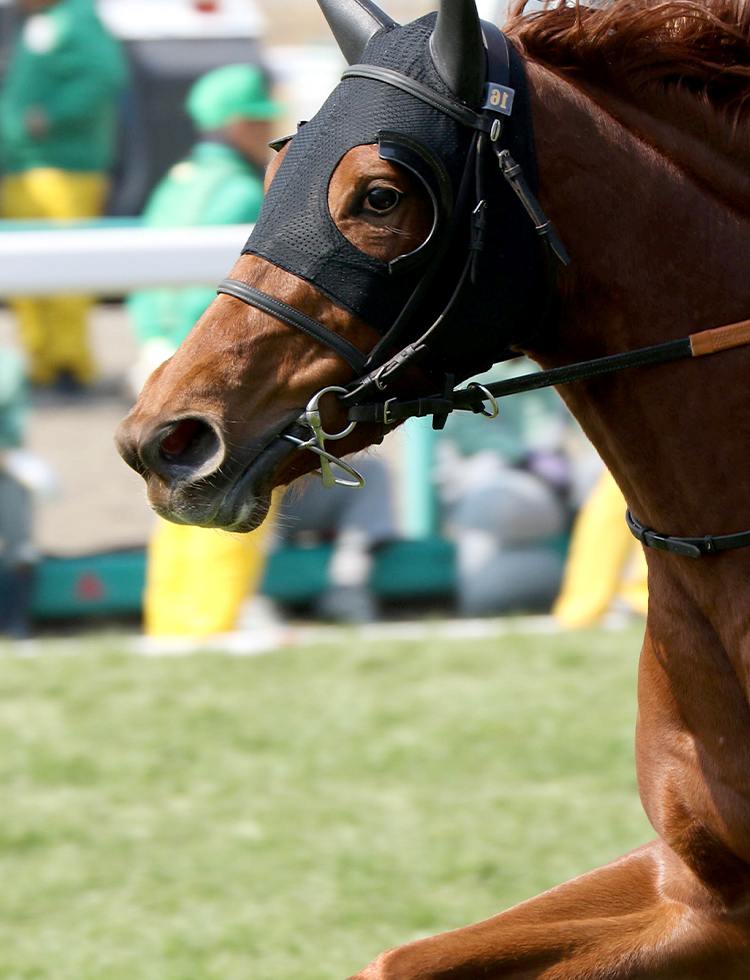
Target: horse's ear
(353,23)
(457,49)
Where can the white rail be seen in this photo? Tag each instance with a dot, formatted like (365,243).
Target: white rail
(113,260)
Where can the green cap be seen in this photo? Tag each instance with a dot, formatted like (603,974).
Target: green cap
(227,94)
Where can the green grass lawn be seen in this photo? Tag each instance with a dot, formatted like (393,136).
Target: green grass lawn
(286,817)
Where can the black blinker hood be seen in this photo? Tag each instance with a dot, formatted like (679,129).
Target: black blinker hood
(296,232)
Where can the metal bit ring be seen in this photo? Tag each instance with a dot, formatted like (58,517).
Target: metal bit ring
(490,398)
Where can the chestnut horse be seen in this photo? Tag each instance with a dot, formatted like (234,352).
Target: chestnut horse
(642,145)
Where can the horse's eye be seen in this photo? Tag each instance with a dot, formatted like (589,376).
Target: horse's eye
(382,199)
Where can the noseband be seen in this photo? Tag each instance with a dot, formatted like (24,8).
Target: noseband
(376,373)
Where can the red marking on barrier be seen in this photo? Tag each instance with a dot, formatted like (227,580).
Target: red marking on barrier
(89,587)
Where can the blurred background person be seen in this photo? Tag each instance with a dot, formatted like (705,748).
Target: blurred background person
(505,486)
(605,567)
(219,183)
(22,476)
(58,125)
(197,578)
(356,523)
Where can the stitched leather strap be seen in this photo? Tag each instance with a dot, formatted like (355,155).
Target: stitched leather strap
(456,110)
(720,338)
(282,311)
(709,544)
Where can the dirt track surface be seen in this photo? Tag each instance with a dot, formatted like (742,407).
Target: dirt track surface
(102,504)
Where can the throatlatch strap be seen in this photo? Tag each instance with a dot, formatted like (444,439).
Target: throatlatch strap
(709,544)
(295,318)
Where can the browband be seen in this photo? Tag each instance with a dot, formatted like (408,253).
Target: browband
(295,318)
(456,110)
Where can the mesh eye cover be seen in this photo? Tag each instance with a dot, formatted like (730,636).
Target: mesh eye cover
(295,230)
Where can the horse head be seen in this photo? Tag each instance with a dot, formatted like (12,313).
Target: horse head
(373,229)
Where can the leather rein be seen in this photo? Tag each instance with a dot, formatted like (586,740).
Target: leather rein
(365,397)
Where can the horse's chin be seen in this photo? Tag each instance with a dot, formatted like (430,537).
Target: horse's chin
(239,503)
(226,514)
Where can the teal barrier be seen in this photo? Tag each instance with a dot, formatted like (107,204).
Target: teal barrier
(111,584)
(403,570)
(107,584)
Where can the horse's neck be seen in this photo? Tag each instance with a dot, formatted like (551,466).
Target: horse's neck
(703,148)
(655,257)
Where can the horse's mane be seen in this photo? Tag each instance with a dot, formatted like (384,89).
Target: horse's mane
(683,62)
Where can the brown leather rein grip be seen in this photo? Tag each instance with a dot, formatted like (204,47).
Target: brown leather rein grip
(720,338)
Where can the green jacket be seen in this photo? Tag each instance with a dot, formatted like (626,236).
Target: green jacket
(64,62)
(13,399)
(215,185)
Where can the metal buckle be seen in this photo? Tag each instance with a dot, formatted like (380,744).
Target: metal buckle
(663,542)
(490,398)
(316,443)
(378,376)
(312,417)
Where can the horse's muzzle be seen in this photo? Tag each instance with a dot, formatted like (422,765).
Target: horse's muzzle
(193,478)
(178,460)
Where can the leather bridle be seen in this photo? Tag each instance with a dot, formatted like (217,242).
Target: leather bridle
(376,372)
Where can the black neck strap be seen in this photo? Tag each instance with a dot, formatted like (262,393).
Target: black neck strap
(709,544)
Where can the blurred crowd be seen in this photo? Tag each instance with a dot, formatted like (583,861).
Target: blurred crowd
(535,521)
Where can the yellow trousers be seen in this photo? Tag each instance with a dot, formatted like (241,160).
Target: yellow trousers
(54,330)
(197,578)
(604,561)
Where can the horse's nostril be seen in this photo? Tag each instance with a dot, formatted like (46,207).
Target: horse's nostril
(186,449)
(191,441)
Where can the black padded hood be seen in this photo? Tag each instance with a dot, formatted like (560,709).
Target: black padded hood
(296,232)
